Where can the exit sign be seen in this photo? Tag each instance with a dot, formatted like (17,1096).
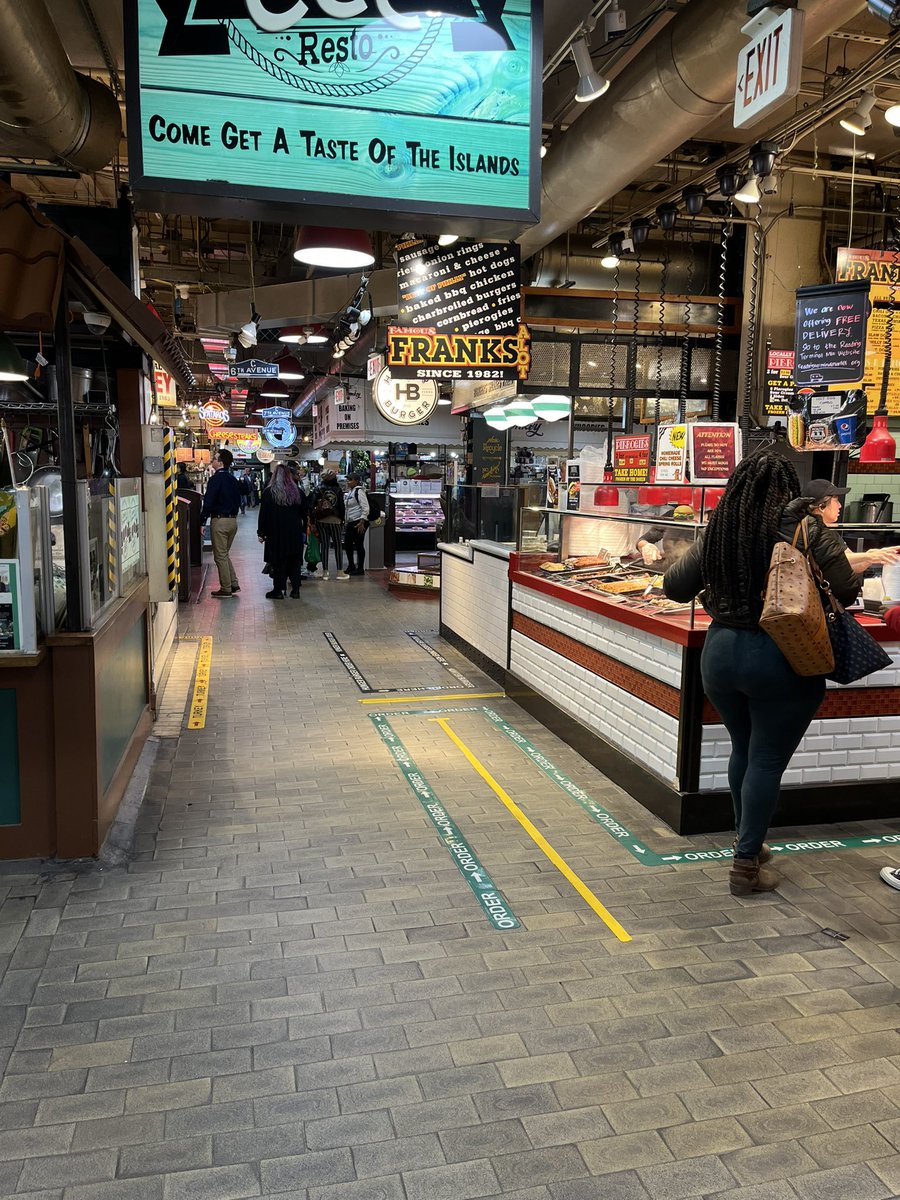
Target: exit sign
(768,69)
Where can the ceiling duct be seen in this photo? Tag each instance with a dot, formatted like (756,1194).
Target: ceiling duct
(47,110)
(570,262)
(667,95)
(355,358)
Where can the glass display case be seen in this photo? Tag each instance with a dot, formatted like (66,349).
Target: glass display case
(507,515)
(417,514)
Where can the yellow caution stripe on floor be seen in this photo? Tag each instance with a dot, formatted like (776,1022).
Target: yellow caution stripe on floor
(537,837)
(430,697)
(200,698)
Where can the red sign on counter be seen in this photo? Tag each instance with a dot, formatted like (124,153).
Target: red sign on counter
(715,451)
(631,458)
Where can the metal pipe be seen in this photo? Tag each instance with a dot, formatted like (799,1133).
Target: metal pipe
(667,95)
(47,110)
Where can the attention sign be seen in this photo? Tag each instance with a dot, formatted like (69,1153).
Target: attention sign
(429,354)
(381,106)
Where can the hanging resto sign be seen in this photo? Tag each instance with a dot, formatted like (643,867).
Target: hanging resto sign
(768,69)
(254,368)
(779,385)
(213,414)
(429,354)
(830,333)
(166,395)
(374,105)
(244,441)
(467,288)
(402,401)
(714,451)
(881,268)
(631,458)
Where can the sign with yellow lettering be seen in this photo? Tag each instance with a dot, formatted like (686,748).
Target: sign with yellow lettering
(429,354)
(881,268)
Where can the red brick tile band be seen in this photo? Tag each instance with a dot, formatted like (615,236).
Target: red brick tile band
(850,702)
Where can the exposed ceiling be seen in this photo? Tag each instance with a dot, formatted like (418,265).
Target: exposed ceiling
(183,258)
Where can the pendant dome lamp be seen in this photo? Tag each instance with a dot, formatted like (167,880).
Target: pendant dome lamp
(303,335)
(496,417)
(550,407)
(339,249)
(520,412)
(274,389)
(12,365)
(290,368)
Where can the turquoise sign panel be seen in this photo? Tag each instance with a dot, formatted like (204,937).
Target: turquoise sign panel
(379,106)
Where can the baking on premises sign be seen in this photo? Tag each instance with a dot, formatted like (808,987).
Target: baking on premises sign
(384,106)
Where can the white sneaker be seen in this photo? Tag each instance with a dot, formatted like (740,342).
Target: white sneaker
(891,877)
(342,575)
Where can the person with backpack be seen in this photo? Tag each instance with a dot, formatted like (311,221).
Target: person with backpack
(356,505)
(327,509)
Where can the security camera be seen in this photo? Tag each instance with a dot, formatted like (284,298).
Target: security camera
(97,322)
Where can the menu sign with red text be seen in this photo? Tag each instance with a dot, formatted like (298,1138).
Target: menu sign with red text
(631,458)
(715,451)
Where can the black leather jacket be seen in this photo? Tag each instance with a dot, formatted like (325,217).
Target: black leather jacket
(684,580)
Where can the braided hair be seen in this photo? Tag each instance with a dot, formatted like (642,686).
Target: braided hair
(744,528)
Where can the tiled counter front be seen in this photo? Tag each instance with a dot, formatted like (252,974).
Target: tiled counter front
(475,603)
(623,683)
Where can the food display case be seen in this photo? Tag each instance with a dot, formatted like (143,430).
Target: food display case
(416,520)
(588,643)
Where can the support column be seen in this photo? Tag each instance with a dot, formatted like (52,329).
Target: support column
(65,409)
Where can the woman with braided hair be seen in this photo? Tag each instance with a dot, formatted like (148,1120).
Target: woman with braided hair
(765,706)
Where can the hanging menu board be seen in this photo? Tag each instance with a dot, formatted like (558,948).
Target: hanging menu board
(830,333)
(882,269)
(779,385)
(471,287)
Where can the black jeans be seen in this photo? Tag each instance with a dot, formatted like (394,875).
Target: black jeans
(355,544)
(287,568)
(766,708)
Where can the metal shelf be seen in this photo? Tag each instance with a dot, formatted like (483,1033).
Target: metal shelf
(46,406)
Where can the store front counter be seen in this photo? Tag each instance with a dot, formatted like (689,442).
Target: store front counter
(622,686)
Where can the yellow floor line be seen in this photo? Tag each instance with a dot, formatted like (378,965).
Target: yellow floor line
(430,696)
(561,865)
(197,715)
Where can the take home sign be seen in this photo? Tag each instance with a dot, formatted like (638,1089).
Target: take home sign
(768,69)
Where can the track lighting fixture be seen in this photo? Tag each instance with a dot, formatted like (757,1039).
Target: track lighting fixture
(247,335)
(590,84)
(640,230)
(667,215)
(729,178)
(858,121)
(892,115)
(609,261)
(887,10)
(762,158)
(694,198)
(617,244)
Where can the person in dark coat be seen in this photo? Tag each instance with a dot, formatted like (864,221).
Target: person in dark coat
(765,706)
(281,526)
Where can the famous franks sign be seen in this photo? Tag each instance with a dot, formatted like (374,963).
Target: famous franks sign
(414,353)
(389,107)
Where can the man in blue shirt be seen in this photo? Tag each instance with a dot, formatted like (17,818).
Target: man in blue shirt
(221,505)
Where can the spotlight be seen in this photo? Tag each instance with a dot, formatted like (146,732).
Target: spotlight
(247,334)
(748,192)
(590,84)
(609,261)
(616,244)
(667,215)
(892,115)
(859,120)
(762,158)
(640,230)
(544,150)
(729,178)
(887,10)
(694,198)
(448,239)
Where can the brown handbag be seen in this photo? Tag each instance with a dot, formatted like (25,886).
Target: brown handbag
(793,614)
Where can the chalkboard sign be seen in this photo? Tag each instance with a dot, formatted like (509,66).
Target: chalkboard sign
(830,335)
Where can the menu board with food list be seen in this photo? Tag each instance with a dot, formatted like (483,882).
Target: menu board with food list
(830,333)
(714,450)
(470,287)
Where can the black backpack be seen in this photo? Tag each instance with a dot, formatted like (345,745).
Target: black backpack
(375,510)
(326,504)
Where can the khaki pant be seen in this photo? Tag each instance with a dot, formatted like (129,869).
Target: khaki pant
(222,531)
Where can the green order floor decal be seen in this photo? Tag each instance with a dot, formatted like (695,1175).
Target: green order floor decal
(489,897)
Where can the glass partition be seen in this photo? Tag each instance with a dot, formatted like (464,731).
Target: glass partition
(493,513)
(18,624)
(129,537)
(102,557)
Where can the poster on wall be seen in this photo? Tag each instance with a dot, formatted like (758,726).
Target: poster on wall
(830,333)
(356,104)
(880,268)
(631,458)
(714,451)
(429,354)
(471,287)
(10,607)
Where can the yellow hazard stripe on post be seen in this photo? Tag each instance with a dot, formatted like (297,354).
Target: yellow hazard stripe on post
(111,538)
(431,696)
(173,571)
(200,698)
(537,837)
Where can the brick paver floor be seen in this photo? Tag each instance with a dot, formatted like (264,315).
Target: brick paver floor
(290,990)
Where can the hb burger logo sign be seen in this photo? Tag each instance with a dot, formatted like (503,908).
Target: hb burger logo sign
(337,101)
